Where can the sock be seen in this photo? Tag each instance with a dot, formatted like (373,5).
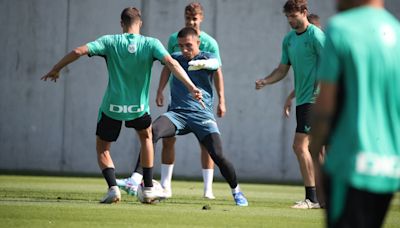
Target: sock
(137,177)
(109,175)
(311,194)
(148,177)
(208,175)
(236,190)
(166,175)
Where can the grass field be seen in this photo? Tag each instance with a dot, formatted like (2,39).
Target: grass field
(37,201)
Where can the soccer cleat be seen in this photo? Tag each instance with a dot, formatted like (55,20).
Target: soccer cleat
(240,200)
(150,195)
(113,195)
(209,195)
(128,185)
(306,204)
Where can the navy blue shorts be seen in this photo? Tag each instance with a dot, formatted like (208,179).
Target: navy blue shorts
(198,122)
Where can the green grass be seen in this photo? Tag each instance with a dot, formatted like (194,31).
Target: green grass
(32,201)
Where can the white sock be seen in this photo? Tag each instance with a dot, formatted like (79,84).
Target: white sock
(166,175)
(208,176)
(236,190)
(137,177)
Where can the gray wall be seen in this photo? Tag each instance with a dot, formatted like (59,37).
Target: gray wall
(51,127)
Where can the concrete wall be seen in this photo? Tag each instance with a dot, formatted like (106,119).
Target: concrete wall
(51,127)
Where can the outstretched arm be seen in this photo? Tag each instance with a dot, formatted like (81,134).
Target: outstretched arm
(164,77)
(54,73)
(180,73)
(219,87)
(277,74)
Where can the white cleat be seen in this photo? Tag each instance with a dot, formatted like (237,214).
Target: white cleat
(150,195)
(306,204)
(167,192)
(113,195)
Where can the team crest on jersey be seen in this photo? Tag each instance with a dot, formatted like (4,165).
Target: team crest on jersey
(132,48)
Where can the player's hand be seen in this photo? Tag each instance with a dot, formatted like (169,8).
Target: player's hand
(287,108)
(221,109)
(160,99)
(198,95)
(260,83)
(53,75)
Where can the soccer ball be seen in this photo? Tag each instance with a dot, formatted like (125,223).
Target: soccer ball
(158,193)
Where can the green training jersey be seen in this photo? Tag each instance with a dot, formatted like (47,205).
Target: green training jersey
(302,51)
(207,44)
(363,59)
(129,59)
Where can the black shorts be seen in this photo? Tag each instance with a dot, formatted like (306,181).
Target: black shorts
(108,129)
(360,209)
(303,118)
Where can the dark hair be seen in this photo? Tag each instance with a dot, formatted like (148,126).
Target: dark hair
(130,15)
(312,16)
(194,8)
(295,6)
(187,31)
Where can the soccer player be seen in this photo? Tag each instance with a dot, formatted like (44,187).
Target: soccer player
(300,49)
(358,113)
(187,116)
(193,18)
(129,57)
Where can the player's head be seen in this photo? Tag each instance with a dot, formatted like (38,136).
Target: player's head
(314,19)
(131,16)
(194,15)
(189,42)
(296,12)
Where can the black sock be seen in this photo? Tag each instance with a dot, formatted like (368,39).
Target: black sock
(109,175)
(148,177)
(311,194)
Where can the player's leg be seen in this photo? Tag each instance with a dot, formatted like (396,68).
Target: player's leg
(212,142)
(301,144)
(167,163)
(107,131)
(208,172)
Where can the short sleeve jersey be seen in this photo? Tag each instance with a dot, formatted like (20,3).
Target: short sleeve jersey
(302,51)
(207,44)
(181,98)
(129,59)
(362,59)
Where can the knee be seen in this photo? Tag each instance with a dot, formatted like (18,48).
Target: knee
(299,149)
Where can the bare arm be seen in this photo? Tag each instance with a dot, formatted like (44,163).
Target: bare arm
(54,73)
(180,73)
(219,87)
(277,74)
(164,77)
(288,104)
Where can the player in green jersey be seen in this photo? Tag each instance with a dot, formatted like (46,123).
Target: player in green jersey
(194,15)
(358,113)
(300,49)
(130,57)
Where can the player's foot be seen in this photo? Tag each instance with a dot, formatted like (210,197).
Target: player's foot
(209,195)
(168,192)
(240,200)
(150,194)
(129,185)
(113,195)
(306,204)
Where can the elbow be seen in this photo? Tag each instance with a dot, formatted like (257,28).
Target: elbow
(78,51)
